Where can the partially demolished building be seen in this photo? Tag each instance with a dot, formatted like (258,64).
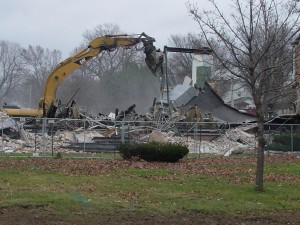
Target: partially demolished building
(180,116)
(209,103)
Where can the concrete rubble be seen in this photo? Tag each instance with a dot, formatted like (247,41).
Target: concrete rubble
(38,142)
(32,140)
(233,141)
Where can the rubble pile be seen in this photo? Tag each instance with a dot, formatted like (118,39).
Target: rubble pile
(2,114)
(36,142)
(233,141)
(10,145)
(31,141)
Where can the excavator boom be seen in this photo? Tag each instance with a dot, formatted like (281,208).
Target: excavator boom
(47,105)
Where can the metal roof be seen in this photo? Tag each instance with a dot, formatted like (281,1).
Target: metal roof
(208,101)
(180,95)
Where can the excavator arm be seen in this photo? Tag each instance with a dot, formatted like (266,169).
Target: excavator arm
(47,105)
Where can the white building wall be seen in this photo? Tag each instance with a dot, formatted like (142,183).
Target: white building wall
(198,61)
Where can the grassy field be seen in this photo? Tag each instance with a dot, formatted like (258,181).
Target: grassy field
(83,190)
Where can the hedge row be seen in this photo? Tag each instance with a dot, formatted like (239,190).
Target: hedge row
(154,151)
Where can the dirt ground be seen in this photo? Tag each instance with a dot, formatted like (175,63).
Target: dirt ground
(41,215)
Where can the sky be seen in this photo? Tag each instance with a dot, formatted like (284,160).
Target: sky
(60,24)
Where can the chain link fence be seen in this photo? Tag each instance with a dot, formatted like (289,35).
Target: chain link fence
(283,137)
(91,137)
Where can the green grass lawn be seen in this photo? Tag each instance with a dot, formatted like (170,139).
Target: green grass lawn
(147,190)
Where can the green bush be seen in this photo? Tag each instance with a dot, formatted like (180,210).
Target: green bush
(278,147)
(128,150)
(282,142)
(154,151)
(58,156)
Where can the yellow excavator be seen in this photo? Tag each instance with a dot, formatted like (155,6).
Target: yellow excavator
(47,105)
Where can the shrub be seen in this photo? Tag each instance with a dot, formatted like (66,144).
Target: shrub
(278,147)
(128,150)
(154,151)
(173,152)
(58,156)
(282,142)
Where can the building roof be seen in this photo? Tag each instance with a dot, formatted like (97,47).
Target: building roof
(209,102)
(180,95)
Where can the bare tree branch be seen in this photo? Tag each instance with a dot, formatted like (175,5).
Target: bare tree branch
(258,50)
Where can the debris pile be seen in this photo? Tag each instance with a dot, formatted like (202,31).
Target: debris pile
(75,135)
(232,142)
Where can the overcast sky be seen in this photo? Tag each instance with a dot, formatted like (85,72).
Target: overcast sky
(59,24)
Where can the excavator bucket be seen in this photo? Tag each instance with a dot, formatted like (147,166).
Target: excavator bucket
(154,58)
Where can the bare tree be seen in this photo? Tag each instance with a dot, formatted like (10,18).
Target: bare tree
(107,63)
(132,85)
(80,87)
(39,63)
(296,45)
(91,74)
(180,64)
(254,36)
(10,67)
(119,77)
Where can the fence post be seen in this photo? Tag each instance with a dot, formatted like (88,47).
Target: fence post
(269,134)
(195,138)
(44,131)
(122,132)
(51,127)
(200,138)
(128,132)
(35,133)
(292,139)
(2,136)
(84,120)
(229,140)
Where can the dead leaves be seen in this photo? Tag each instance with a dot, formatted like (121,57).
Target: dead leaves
(237,169)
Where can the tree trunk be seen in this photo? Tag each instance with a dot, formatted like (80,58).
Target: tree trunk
(259,181)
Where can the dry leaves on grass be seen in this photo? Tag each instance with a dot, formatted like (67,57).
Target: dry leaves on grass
(231,167)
